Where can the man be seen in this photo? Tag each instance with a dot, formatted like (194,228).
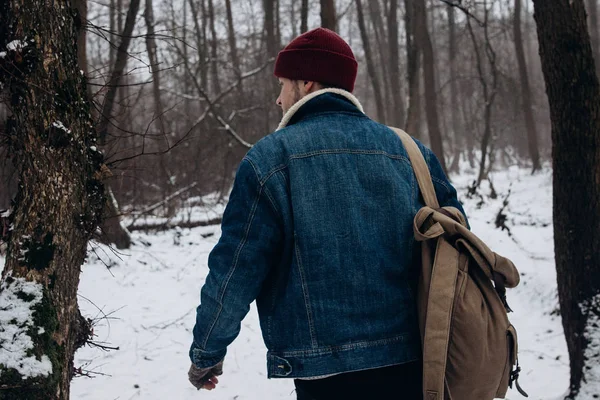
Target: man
(318,230)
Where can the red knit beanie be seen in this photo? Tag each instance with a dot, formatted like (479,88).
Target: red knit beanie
(319,55)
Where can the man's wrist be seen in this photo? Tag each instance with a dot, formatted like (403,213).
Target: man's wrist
(205,359)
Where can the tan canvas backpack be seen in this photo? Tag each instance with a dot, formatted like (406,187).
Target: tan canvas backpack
(469,345)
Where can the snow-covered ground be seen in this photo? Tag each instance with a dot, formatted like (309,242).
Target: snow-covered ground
(144,304)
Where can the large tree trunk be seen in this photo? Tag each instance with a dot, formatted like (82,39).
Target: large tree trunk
(413,57)
(304,16)
(397,116)
(369,60)
(431,112)
(328,15)
(574,98)
(527,106)
(58,203)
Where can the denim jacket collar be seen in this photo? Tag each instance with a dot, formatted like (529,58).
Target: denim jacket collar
(297,111)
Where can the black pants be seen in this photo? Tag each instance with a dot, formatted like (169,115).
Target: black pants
(398,382)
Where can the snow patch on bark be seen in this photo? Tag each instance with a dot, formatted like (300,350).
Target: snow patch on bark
(590,385)
(60,125)
(16,45)
(18,297)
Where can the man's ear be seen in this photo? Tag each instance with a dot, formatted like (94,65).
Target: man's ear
(309,86)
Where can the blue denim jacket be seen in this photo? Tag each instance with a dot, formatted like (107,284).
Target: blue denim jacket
(318,230)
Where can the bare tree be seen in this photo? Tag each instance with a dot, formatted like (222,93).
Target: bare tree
(213,49)
(527,106)
(304,16)
(413,56)
(489,90)
(574,96)
(200,34)
(382,57)
(117,71)
(269,8)
(397,117)
(369,60)
(457,133)
(328,15)
(59,200)
(233,45)
(429,79)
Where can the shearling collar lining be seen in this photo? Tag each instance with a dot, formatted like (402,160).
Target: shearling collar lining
(290,113)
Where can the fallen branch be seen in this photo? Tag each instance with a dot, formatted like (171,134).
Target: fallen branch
(165,226)
(167,199)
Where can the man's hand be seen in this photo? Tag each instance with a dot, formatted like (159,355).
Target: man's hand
(205,378)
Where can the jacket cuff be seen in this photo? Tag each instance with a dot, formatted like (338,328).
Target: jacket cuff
(205,359)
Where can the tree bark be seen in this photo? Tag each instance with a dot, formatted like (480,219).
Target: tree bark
(424,42)
(369,61)
(574,97)
(397,116)
(59,200)
(527,106)
(304,16)
(413,56)
(328,15)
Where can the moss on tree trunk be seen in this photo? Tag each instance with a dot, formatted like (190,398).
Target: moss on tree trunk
(60,196)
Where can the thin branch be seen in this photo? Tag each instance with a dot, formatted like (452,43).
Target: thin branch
(212,104)
(465,10)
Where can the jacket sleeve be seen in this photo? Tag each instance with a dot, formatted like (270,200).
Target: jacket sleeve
(249,247)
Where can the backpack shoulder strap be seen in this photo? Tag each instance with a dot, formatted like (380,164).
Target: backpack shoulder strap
(420,167)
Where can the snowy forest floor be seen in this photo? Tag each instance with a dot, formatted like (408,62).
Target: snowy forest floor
(149,295)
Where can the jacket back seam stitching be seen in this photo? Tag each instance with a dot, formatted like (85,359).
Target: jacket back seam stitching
(332,151)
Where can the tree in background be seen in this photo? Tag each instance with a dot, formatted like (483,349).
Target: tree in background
(527,105)
(423,39)
(179,95)
(58,205)
(328,15)
(574,97)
